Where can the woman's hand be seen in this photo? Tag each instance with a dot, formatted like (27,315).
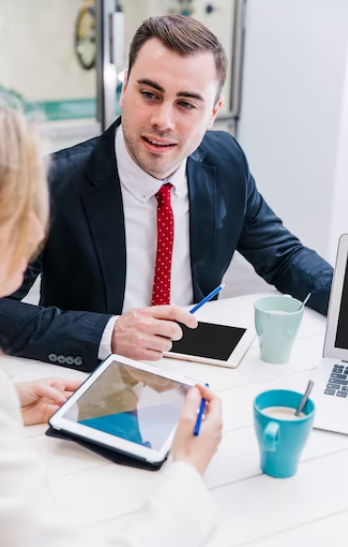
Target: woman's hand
(198,451)
(41,398)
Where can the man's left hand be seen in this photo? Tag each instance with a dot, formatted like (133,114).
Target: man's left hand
(40,399)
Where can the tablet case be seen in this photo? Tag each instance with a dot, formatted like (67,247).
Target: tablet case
(112,455)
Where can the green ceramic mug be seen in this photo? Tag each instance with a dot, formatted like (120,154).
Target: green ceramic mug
(277,320)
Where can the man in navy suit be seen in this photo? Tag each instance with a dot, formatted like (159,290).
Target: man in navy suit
(100,260)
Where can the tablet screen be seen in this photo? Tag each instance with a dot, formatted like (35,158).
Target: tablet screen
(132,404)
(209,341)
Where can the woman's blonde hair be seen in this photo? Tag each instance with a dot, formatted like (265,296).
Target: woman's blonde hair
(23,187)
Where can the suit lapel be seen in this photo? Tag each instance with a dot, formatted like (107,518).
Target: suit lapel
(202,196)
(104,210)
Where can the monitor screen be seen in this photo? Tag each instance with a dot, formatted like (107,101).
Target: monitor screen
(342,325)
(132,404)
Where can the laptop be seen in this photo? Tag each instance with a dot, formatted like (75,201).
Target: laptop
(330,392)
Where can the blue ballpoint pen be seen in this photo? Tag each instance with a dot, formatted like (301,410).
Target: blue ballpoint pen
(200,416)
(207,298)
(194,309)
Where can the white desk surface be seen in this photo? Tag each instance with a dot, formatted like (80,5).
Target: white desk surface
(310,509)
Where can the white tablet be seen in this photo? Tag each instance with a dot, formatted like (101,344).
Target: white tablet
(213,344)
(126,406)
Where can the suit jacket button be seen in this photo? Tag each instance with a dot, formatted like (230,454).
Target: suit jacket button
(53,357)
(69,360)
(61,359)
(78,361)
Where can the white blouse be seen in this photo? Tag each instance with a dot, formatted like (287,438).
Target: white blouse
(179,512)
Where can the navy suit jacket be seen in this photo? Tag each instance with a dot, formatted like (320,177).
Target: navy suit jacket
(83,263)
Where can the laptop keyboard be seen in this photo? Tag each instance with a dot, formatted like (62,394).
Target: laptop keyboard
(338,382)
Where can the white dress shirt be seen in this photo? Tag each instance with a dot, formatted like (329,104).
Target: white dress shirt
(179,511)
(140,213)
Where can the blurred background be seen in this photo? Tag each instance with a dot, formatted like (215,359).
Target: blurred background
(286,95)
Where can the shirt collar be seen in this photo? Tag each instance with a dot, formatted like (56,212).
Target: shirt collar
(141,185)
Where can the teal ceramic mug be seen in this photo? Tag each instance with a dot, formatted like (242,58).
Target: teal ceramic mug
(277,320)
(280,434)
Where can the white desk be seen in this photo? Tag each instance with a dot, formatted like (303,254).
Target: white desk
(310,509)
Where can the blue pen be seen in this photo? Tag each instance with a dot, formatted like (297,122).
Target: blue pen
(200,416)
(207,298)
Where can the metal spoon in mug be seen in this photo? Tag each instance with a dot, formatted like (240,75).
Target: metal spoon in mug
(304,398)
(306,299)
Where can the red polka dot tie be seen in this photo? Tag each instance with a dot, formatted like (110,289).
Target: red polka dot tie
(165,239)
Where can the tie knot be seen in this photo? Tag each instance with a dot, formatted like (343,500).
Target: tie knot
(163,194)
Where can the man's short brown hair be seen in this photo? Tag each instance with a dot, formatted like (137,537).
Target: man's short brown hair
(183,35)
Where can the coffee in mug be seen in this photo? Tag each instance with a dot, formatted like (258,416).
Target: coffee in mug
(282,413)
(278,312)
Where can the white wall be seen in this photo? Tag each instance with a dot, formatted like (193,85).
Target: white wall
(294,114)
(37,55)
(339,216)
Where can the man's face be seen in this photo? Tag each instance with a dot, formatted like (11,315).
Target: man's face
(167,103)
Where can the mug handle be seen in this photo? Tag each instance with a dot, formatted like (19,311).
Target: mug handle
(271,437)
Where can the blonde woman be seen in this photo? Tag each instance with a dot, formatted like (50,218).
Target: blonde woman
(23,219)
(179,510)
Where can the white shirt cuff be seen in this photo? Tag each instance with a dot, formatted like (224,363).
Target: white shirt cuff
(105,343)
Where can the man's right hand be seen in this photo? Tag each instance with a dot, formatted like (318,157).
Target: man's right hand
(145,334)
